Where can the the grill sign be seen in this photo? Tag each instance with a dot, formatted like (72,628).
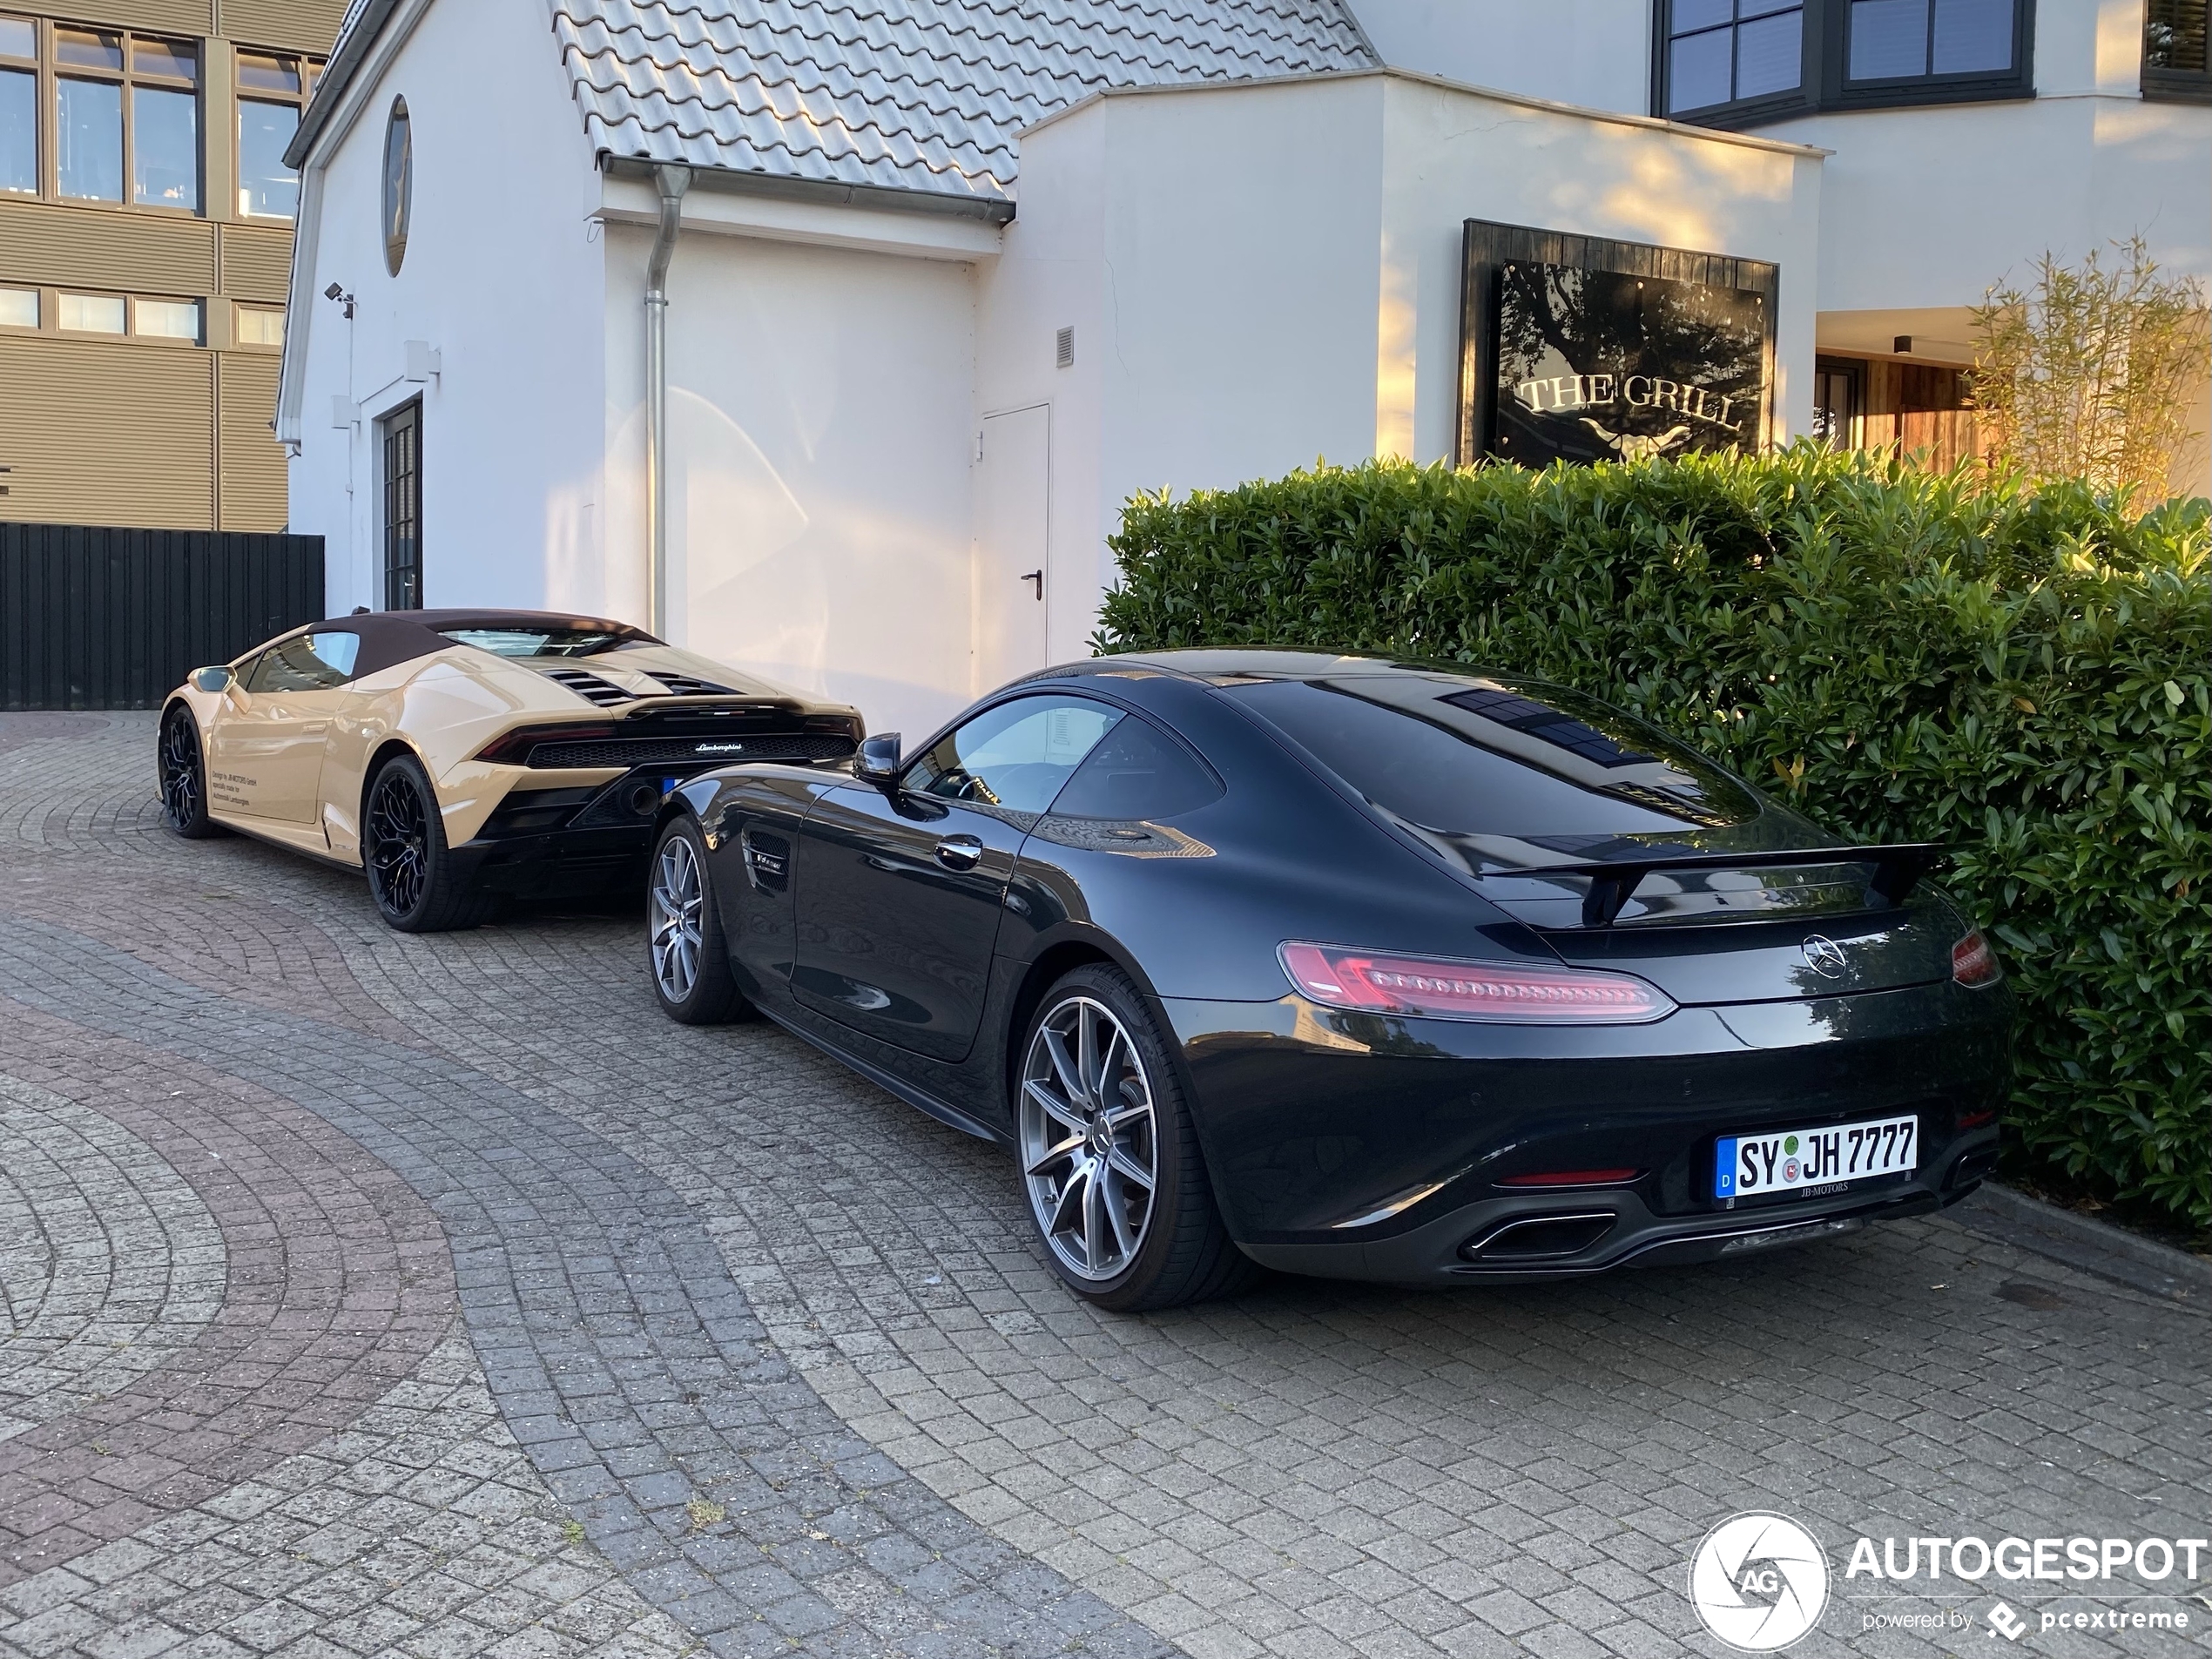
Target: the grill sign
(720,749)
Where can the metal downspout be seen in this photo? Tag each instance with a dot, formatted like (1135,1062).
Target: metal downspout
(672,181)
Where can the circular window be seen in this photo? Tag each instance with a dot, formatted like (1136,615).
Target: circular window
(399,184)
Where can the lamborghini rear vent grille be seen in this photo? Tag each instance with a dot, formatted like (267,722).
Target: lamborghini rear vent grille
(686,685)
(590,687)
(645,751)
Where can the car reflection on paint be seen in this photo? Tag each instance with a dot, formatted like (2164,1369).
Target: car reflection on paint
(1349,967)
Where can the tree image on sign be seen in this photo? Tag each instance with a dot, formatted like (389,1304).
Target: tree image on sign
(2093,371)
(1606,365)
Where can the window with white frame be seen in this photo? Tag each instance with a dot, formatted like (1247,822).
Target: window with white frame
(166,319)
(261,325)
(92,313)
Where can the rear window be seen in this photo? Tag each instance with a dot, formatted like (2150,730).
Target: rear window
(1474,756)
(536,642)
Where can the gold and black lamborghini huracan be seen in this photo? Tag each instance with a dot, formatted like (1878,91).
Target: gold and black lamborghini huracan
(460,756)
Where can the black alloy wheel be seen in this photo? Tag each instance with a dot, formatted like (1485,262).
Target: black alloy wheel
(1109,1158)
(403,848)
(686,952)
(184,779)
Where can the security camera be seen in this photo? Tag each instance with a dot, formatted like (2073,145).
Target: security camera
(333,292)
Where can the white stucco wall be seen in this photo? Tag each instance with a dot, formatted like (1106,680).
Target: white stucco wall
(502,277)
(1596,53)
(820,400)
(1452,156)
(1929,207)
(1265,275)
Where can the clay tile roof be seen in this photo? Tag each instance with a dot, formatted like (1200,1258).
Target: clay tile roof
(909,95)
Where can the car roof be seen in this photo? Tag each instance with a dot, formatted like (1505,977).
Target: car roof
(389,637)
(1253,663)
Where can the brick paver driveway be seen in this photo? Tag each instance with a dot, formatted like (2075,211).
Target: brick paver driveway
(362,1293)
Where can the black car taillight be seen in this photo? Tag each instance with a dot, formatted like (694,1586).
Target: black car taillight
(1973,963)
(513,748)
(1512,993)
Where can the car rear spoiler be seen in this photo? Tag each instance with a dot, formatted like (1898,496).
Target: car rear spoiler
(1897,871)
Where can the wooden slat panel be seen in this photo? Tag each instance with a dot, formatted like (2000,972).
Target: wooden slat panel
(256,262)
(73,247)
(253,486)
(294,26)
(113,617)
(193,18)
(112,432)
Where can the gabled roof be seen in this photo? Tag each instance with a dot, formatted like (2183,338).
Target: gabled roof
(921,95)
(908,95)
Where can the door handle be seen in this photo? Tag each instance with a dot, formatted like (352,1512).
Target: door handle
(959,853)
(1036,577)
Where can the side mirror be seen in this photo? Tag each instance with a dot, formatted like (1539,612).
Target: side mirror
(878,761)
(212,680)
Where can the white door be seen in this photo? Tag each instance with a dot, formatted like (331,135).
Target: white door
(1013,563)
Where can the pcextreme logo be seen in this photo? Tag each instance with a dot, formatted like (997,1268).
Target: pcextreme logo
(1759,1582)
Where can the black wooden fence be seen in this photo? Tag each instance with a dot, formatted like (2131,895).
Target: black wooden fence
(114,619)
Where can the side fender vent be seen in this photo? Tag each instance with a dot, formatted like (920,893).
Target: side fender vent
(767,860)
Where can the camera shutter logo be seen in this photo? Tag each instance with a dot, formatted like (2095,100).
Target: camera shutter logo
(1759,1582)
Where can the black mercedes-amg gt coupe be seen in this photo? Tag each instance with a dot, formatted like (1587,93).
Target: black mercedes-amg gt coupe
(1352,967)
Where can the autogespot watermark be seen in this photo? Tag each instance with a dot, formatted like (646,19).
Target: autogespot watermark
(1760,1582)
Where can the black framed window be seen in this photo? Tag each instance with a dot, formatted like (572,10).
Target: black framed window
(1733,52)
(1839,400)
(1737,62)
(2175,63)
(400,433)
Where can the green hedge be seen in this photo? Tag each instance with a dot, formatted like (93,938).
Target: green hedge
(1906,657)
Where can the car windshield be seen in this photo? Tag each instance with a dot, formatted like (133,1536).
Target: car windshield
(1470,755)
(536,642)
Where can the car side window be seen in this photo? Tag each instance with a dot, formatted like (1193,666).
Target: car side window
(306,663)
(1137,771)
(1016,755)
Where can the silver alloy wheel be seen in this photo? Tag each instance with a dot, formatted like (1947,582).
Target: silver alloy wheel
(1089,1139)
(678,899)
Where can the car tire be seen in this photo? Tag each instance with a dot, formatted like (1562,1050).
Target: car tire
(411,873)
(182,764)
(686,955)
(1117,1090)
